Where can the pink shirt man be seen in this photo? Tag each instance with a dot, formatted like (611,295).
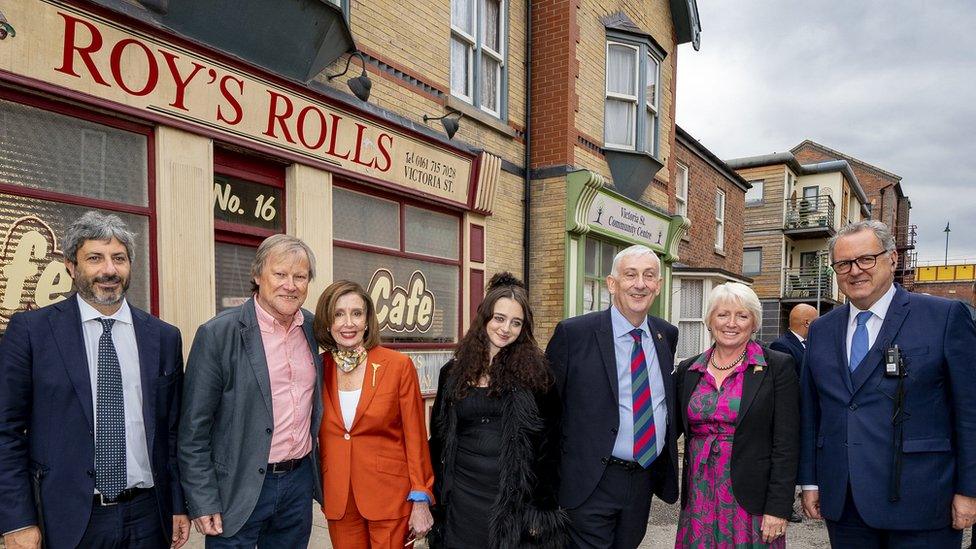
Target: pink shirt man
(292,375)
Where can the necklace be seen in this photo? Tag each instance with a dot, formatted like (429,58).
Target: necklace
(729,367)
(347,361)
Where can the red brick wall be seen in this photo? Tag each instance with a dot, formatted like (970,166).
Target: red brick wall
(703,181)
(554,67)
(963,291)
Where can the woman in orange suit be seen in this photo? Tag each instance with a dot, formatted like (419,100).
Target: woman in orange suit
(374,456)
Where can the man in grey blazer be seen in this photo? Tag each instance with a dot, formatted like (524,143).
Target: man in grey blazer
(252,405)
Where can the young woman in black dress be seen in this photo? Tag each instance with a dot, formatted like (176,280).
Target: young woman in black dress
(495,433)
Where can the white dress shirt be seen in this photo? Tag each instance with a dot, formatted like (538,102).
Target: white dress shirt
(878,311)
(138,470)
(803,340)
(623,344)
(348,402)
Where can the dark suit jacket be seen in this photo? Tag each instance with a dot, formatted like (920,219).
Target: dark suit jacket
(47,445)
(790,344)
(766,444)
(846,426)
(584,364)
(227,421)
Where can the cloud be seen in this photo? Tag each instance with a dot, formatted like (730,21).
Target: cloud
(890,82)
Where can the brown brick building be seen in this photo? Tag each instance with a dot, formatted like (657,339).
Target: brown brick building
(889,203)
(710,253)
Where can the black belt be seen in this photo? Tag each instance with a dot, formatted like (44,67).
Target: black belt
(627,465)
(124,496)
(285,466)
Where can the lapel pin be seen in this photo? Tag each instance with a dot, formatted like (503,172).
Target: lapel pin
(375,367)
(757,368)
(659,335)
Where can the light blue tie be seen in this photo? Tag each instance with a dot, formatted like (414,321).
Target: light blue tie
(859,344)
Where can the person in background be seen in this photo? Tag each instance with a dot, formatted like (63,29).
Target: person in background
(793,341)
(89,406)
(613,375)
(375,461)
(739,410)
(252,408)
(495,434)
(888,428)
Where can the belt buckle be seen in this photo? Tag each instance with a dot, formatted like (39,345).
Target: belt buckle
(105,503)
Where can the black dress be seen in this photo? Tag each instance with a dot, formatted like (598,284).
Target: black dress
(477,466)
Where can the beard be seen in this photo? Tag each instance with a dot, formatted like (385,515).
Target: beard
(87,289)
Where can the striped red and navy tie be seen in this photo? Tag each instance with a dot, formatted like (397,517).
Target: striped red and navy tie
(645,439)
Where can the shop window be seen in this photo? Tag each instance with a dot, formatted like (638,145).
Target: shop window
(633,72)
(719,220)
(691,307)
(681,191)
(478,67)
(754,196)
(415,282)
(248,206)
(56,163)
(597,264)
(752,261)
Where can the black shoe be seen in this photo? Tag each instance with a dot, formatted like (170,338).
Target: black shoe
(795,517)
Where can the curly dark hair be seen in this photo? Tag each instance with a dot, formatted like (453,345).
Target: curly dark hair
(520,364)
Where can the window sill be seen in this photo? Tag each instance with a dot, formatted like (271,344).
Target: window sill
(720,251)
(470,111)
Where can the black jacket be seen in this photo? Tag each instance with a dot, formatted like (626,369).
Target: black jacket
(790,344)
(525,512)
(766,444)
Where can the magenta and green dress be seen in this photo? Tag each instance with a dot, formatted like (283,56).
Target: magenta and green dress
(712,517)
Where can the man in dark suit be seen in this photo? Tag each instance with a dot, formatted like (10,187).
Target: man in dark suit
(888,446)
(613,373)
(89,405)
(793,341)
(253,405)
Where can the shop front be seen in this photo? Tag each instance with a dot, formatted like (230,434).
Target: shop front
(601,222)
(204,156)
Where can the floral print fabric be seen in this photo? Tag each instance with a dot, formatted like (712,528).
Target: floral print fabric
(712,517)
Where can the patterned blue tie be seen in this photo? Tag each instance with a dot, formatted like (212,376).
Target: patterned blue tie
(110,473)
(645,434)
(859,344)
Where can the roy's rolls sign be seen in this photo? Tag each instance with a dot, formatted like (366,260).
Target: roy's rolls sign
(59,44)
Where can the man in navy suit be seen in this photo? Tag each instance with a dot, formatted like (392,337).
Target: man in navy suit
(793,341)
(89,405)
(888,447)
(613,373)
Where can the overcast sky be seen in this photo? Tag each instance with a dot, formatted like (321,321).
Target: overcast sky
(890,82)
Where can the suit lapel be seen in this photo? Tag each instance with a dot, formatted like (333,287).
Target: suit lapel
(604,339)
(313,347)
(376,368)
(751,381)
(147,343)
(894,318)
(66,327)
(254,347)
(665,361)
(331,384)
(691,380)
(840,347)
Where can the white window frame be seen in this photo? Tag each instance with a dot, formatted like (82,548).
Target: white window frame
(720,220)
(679,319)
(476,50)
(681,190)
(644,138)
(761,184)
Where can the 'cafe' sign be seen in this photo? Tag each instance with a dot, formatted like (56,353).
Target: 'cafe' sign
(398,308)
(62,45)
(32,271)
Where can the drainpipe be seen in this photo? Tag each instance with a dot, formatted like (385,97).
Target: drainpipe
(527,161)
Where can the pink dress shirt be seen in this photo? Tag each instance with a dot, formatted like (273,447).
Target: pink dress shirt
(292,374)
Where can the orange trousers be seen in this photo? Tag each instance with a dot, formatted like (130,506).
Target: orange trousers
(353,531)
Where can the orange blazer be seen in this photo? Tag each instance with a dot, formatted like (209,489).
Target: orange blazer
(384,456)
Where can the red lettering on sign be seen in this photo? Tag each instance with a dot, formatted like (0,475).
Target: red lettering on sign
(384,143)
(336,120)
(234,103)
(116,63)
(301,126)
(84,52)
(181,83)
(273,116)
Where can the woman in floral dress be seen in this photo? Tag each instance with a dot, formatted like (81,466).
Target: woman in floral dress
(739,407)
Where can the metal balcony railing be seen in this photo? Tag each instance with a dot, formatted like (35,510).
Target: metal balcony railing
(810,213)
(808,283)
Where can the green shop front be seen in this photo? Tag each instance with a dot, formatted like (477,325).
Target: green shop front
(601,222)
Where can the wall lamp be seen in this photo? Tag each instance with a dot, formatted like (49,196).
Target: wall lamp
(360,85)
(5,27)
(451,125)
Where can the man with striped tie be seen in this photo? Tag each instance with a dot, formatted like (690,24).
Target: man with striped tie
(89,406)
(613,373)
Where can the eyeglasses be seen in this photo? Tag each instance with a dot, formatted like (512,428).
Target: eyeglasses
(864,262)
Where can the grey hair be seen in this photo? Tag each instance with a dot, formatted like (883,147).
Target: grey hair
(737,293)
(880,230)
(280,244)
(635,250)
(94,225)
